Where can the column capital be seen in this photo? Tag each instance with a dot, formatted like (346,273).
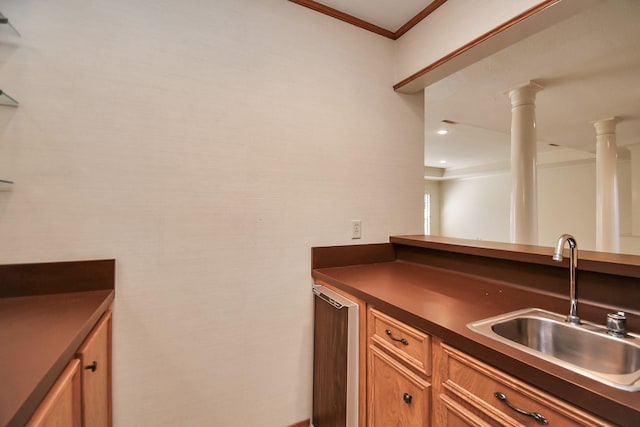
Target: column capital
(524,93)
(606,126)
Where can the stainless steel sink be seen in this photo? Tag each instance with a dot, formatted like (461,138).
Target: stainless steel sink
(585,348)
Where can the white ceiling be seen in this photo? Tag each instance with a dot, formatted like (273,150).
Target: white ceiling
(589,65)
(388,14)
(590,68)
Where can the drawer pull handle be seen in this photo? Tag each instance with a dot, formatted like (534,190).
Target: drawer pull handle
(93,366)
(407,398)
(540,419)
(400,340)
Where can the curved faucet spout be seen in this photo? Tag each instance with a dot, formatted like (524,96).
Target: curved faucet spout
(573,265)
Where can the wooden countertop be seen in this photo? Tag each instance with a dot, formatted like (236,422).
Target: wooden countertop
(597,262)
(442,302)
(40,333)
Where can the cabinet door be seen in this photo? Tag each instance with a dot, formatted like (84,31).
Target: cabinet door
(95,357)
(454,414)
(397,396)
(61,406)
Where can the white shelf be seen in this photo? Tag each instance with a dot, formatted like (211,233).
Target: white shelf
(5,20)
(6,185)
(6,99)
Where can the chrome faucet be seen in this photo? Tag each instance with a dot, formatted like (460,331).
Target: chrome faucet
(573,264)
(617,324)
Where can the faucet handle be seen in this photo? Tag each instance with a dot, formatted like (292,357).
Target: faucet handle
(617,324)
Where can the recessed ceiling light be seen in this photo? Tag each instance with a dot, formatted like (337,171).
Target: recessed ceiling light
(442,162)
(442,132)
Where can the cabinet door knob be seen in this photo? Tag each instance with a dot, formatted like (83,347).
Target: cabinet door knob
(407,398)
(93,366)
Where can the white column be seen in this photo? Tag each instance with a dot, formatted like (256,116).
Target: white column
(635,188)
(607,210)
(524,205)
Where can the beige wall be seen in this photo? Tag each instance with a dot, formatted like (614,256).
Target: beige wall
(478,208)
(206,146)
(567,203)
(475,208)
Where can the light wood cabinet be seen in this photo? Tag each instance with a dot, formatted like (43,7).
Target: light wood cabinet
(95,359)
(468,392)
(397,396)
(399,369)
(81,396)
(61,406)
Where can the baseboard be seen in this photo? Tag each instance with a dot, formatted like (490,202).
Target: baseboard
(305,423)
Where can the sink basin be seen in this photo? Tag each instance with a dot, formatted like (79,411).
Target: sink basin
(586,348)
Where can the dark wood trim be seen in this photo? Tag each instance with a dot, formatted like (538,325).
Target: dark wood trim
(350,19)
(526,14)
(305,423)
(334,13)
(419,17)
(338,256)
(56,277)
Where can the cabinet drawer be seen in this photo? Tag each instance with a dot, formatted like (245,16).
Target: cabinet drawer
(407,343)
(470,386)
(397,396)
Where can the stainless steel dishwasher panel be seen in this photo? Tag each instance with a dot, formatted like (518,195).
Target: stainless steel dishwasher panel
(335,360)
